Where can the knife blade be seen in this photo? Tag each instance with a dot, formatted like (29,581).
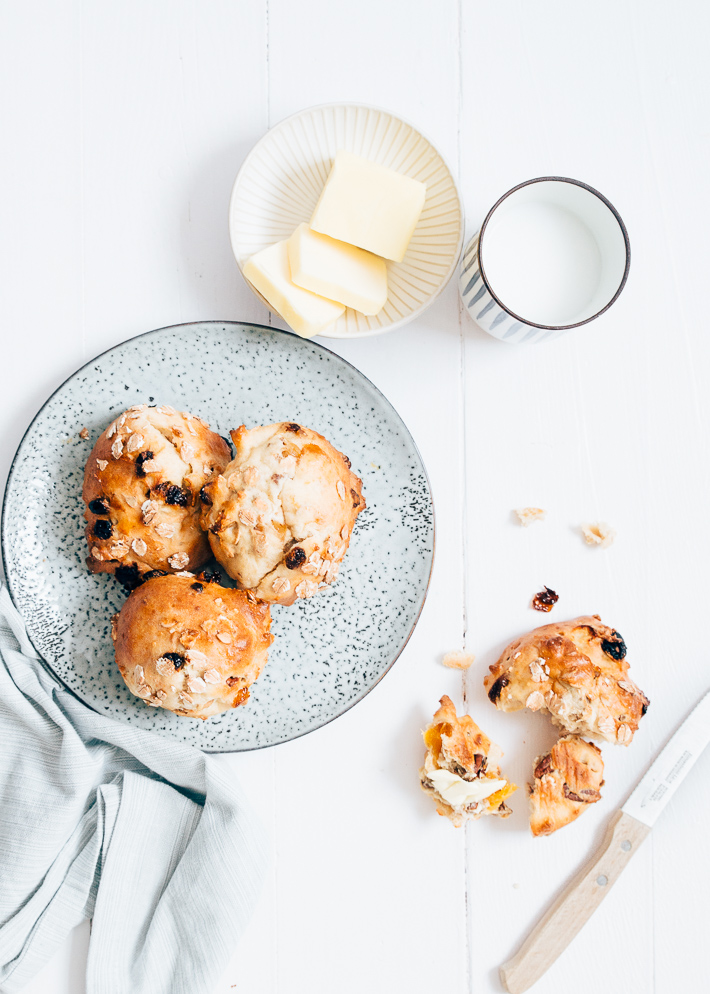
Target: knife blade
(671,766)
(627,829)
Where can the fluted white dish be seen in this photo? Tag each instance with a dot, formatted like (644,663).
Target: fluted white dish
(281,179)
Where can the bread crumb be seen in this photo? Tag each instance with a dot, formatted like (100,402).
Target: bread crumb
(84,433)
(598,533)
(458,660)
(529,514)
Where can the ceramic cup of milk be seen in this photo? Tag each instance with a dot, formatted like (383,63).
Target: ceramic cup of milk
(551,255)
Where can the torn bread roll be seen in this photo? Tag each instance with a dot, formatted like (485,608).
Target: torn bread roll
(461,771)
(566,781)
(577,672)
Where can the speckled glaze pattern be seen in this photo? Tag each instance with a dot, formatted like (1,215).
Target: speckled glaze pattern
(329,651)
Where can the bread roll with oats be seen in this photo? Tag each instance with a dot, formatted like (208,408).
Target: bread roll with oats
(576,671)
(280,515)
(141,483)
(191,646)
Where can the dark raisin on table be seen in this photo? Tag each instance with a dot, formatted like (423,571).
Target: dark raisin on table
(99,505)
(103,528)
(295,558)
(545,600)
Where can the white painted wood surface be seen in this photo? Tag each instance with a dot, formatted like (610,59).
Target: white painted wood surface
(122,127)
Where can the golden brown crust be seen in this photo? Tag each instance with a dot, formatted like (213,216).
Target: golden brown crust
(281,514)
(566,781)
(191,647)
(458,746)
(575,670)
(141,487)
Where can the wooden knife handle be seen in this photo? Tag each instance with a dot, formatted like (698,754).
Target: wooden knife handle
(574,906)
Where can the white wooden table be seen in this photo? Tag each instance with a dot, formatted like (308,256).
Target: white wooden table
(122,128)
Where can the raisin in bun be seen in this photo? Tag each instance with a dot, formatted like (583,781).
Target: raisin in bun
(577,671)
(281,514)
(141,483)
(191,646)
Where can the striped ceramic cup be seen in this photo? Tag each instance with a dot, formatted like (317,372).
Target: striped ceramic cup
(551,255)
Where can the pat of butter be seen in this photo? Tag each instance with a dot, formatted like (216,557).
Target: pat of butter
(337,270)
(305,312)
(459,792)
(369,206)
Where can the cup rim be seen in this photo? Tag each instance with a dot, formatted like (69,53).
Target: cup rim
(589,189)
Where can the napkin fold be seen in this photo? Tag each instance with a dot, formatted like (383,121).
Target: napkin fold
(147,836)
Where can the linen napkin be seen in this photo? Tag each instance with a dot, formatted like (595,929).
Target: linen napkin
(149,837)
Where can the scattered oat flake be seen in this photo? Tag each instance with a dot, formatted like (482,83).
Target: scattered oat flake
(149,509)
(164,666)
(458,660)
(599,534)
(139,546)
(545,600)
(134,443)
(84,433)
(178,560)
(224,637)
(102,464)
(624,734)
(340,487)
(608,727)
(535,701)
(117,449)
(529,514)
(112,430)
(185,574)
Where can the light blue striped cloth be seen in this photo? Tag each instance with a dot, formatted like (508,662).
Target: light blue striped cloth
(148,837)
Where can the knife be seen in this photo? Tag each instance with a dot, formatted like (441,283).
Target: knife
(626,831)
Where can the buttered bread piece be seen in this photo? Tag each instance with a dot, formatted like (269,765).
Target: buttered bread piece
(567,780)
(578,672)
(461,769)
(307,313)
(337,270)
(370,206)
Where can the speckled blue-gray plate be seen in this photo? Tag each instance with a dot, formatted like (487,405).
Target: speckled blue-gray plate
(329,651)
